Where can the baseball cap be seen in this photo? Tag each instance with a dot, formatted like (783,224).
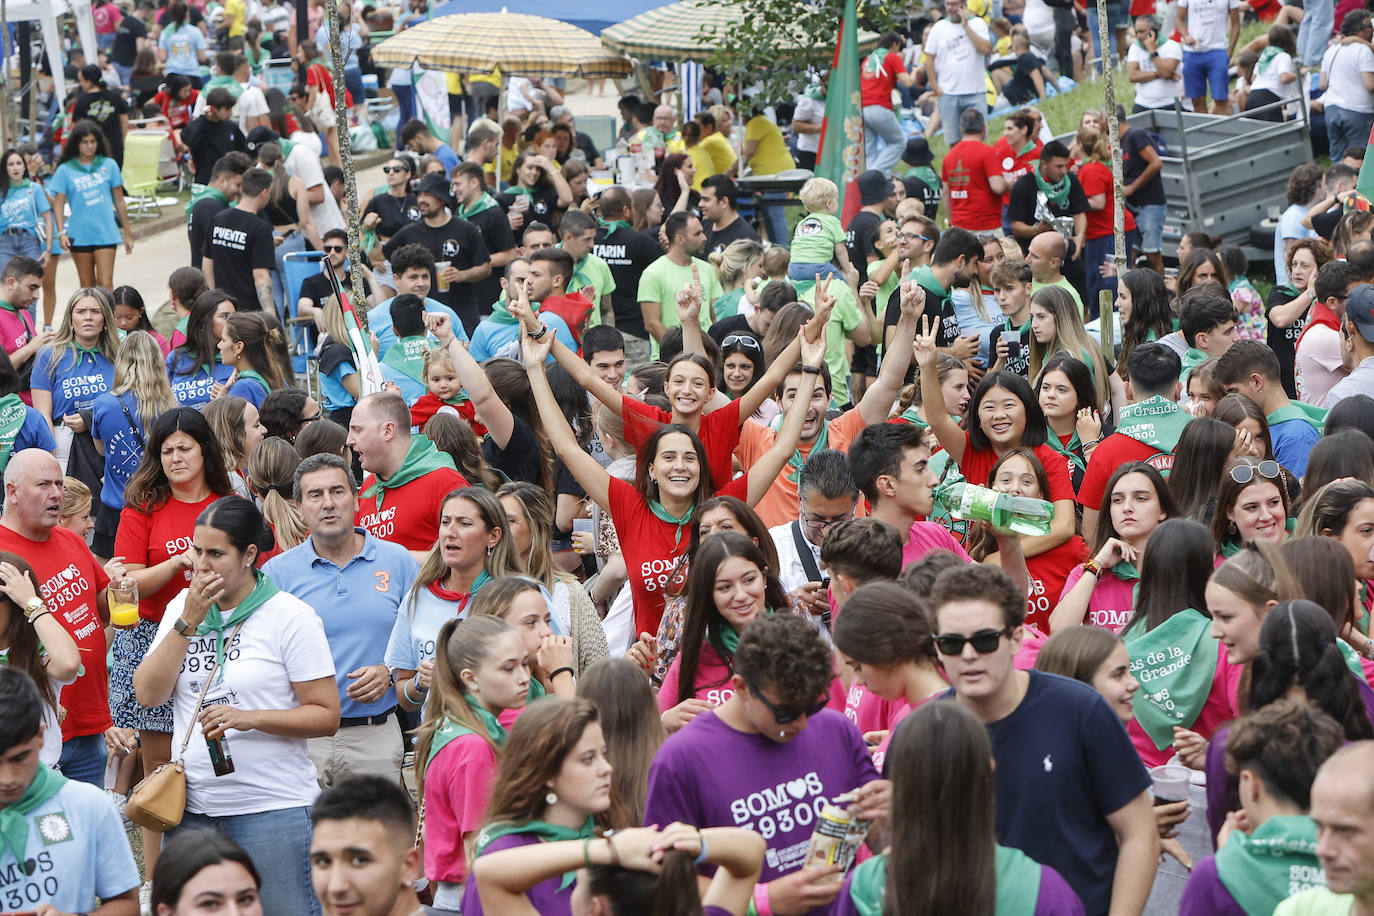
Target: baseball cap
(259,136)
(874,188)
(1359,308)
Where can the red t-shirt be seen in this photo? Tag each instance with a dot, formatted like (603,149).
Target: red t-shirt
(1009,162)
(423,410)
(977,464)
(965,170)
(1096,178)
(876,89)
(719,433)
(70,581)
(147,540)
(1048,572)
(651,548)
(409,515)
(318,76)
(1110,454)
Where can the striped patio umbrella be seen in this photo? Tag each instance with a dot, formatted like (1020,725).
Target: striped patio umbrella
(517,43)
(672,32)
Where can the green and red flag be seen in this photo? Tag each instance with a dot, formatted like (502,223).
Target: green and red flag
(1365,183)
(841,156)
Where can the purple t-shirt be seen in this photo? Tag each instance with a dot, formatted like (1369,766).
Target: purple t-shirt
(1205,895)
(545,896)
(775,789)
(1056,898)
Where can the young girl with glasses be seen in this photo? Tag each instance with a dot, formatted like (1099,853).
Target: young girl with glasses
(1252,504)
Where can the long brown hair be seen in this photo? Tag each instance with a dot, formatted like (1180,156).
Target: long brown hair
(264,347)
(944,815)
(512,386)
(1077,651)
(624,701)
(149,489)
(538,744)
(498,563)
(453,435)
(24,651)
(271,470)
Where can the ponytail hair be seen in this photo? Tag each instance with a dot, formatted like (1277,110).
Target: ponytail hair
(271,470)
(264,347)
(672,892)
(240,521)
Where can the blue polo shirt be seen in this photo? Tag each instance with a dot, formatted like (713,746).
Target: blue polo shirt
(379,321)
(358,605)
(491,338)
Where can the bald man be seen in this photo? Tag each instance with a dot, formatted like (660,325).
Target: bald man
(1343,809)
(1045,255)
(663,132)
(71,583)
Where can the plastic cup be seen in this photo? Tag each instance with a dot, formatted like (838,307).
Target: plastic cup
(1170,783)
(439,268)
(124,603)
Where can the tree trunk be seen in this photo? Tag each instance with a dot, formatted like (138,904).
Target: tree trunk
(1106,308)
(352,220)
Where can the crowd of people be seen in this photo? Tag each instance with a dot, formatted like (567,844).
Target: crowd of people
(669,561)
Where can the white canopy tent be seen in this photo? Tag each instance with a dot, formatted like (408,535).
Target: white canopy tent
(45,13)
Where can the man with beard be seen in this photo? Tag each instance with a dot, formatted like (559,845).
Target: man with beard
(954,264)
(661,280)
(1049,198)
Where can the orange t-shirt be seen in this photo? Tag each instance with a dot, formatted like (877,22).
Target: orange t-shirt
(779,504)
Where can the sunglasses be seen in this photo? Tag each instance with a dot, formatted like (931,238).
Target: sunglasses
(389,169)
(742,340)
(784,714)
(334,248)
(1244,473)
(984,642)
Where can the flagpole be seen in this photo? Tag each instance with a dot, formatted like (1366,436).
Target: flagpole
(1106,301)
(351,217)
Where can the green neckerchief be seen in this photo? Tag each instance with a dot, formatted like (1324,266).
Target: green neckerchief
(873,63)
(927,175)
(926,277)
(1057,193)
(88,169)
(549,833)
(1011,327)
(663,515)
(451,730)
(484,203)
(1229,547)
(1175,664)
(911,416)
(611,225)
(821,444)
(1156,422)
(224,82)
(255,376)
(535,692)
(1030,145)
(1297,410)
(407,356)
(1256,869)
(421,458)
(729,637)
(1352,660)
(520,189)
(1018,884)
(500,311)
(1191,360)
(14,819)
(9,306)
(1070,451)
(13,413)
(1266,58)
(81,351)
(1126,571)
(214,618)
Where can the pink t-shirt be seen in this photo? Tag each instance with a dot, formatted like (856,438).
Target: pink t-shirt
(1219,708)
(927,536)
(1112,601)
(16,329)
(457,788)
(713,682)
(900,713)
(1031,644)
(1319,367)
(870,712)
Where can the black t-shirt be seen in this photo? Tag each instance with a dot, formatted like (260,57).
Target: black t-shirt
(720,239)
(1324,224)
(734,325)
(521,459)
(316,288)
(859,238)
(588,148)
(1020,89)
(125,47)
(627,253)
(193,17)
(104,108)
(1024,193)
(209,140)
(1133,164)
(458,242)
(1018,348)
(498,236)
(202,215)
(543,204)
(239,243)
(937,303)
(395,212)
(1284,341)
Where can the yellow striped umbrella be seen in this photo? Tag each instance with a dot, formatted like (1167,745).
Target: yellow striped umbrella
(517,43)
(672,32)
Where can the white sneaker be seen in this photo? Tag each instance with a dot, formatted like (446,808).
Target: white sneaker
(120,802)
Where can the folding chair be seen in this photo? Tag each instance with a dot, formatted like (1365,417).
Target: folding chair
(299,332)
(142,172)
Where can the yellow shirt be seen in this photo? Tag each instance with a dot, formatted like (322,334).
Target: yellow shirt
(508,157)
(237,15)
(494,78)
(722,156)
(771,155)
(701,161)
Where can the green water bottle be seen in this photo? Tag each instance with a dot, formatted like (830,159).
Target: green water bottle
(1021,514)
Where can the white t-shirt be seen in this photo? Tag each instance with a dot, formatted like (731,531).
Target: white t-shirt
(1038,18)
(1207,22)
(252,104)
(304,164)
(515,94)
(791,571)
(1156,93)
(1343,66)
(812,111)
(282,643)
(51,751)
(958,65)
(1269,79)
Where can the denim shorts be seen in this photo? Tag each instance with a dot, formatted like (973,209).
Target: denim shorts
(1149,221)
(1204,68)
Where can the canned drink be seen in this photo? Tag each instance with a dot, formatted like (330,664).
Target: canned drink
(836,840)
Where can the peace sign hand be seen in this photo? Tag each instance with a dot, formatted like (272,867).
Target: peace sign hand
(924,342)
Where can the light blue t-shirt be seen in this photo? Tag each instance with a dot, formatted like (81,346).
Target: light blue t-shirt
(23,208)
(79,852)
(447,156)
(379,321)
(490,338)
(336,396)
(250,389)
(191,383)
(1290,227)
(970,322)
(358,604)
(182,45)
(417,629)
(350,42)
(411,389)
(92,202)
(124,444)
(1293,441)
(74,379)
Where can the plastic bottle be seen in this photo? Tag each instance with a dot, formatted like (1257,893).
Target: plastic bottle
(1021,514)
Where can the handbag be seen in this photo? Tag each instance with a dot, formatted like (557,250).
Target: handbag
(158,802)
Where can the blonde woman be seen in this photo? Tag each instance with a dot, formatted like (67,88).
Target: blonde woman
(1057,324)
(237,429)
(738,266)
(271,470)
(70,373)
(120,421)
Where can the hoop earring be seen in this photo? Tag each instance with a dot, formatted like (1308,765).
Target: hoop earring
(551,798)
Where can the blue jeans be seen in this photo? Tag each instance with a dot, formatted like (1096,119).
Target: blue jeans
(952,106)
(1097,252)
(1117,19)
(405,105)
(1314,32)
(880,122)
(278,842)
(1345,128)
(292,243)
(13,244)
(83,759)
(775,216)
(1149,222)
(124,72)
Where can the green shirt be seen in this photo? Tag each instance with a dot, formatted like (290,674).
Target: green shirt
(595,273)
(660,283)
(844,318)
(1065,284)
(1316,901)
(815,239)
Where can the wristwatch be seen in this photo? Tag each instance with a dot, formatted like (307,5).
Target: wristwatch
(32,608)
(184,628)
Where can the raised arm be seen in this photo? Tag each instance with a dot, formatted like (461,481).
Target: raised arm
(947,432)
(490,410)
(589,474)
(876,403)
(782,364)
(575,365)
(766,469)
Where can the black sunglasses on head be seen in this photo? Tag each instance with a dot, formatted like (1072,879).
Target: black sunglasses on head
(984,642)
(785,714)
(389,169)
